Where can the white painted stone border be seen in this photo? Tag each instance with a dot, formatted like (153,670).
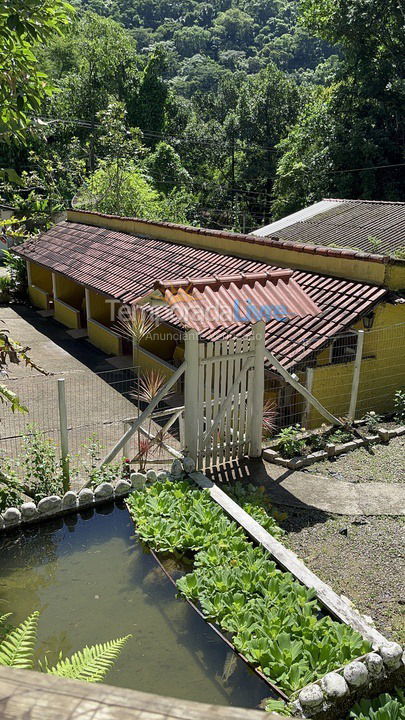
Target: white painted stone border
(53,506)
(332,450)
(332,696)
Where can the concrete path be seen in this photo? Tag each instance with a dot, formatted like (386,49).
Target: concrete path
(304,490)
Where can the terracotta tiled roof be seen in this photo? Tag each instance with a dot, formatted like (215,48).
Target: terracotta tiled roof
(362,226)
(206,303)
(126,267)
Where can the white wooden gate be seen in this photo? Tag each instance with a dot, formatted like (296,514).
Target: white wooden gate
(224,386)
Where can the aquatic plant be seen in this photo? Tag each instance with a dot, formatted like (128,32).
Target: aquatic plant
(383,707)
(90,664)
(274,620)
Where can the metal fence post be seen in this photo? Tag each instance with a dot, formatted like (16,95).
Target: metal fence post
(191,394)
(356,375)
(256,420)
(63,429)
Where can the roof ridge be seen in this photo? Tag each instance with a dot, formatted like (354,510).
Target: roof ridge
(370,202)
(271,241)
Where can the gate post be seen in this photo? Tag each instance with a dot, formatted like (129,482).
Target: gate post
(256,418)
(191,395)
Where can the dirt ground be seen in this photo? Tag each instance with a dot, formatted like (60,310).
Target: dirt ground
(362,558)
(383,463)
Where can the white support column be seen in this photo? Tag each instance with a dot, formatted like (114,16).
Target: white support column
(63,429)
(356,375)
(256,420)
(191,395)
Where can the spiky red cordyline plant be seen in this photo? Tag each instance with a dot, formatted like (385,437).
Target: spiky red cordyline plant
(270,413)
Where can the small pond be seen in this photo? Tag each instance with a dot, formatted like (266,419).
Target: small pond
(93,581)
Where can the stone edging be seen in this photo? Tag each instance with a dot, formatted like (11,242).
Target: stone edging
(332,450)
(54,505)
(332,696)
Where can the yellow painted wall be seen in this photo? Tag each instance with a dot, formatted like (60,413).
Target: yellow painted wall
(69,291)
(100,308)
(66,314)
(161,342)
(382,369)
(104,338)
(392,275)
(38,297)
(41,277)
(147,361)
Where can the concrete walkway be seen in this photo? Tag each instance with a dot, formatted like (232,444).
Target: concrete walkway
(303,490)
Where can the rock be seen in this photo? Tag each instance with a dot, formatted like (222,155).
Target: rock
(374,664)
(334,685)
(85,497)
(176,469)
(69,500)
(50,505)
(162,476)
(138,481)
(105,490)
(356,674)
(122,487)
(1,522)
(28,511)
(11,516)
(151,476)
(391,654)
(188,465)
(311,697)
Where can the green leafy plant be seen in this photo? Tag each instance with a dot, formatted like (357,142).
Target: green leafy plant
(11,491)
(371,420)
(399,406)
(94,472)
(90,664)
(289,442)
(274,620)
(41,467)
(340,436)
(383,707)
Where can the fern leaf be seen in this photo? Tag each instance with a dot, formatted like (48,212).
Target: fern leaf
(92,663)
(17,647)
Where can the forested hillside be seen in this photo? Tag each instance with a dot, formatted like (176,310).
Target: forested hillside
(226,113)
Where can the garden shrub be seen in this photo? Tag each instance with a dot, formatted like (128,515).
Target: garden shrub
(274,621)
(399,406)
(290,444)
(41,468)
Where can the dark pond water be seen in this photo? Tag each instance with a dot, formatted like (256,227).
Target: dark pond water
(92,581)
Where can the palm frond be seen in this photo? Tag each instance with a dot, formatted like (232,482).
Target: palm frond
(92,663)
(17,647)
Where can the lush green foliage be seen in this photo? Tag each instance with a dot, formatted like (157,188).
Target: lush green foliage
(289,441)
(399,406)
(41,468)
(274,621)
(90,664)
(240,112)
(24,24)
(383,707)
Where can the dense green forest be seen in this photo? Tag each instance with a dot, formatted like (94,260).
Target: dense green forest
(226,113)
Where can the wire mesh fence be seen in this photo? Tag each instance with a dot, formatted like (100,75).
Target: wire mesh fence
(98,406)
(355,373)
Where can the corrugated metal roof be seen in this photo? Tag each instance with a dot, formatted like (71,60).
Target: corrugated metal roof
(225,300)
(127,267)
(360,225)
